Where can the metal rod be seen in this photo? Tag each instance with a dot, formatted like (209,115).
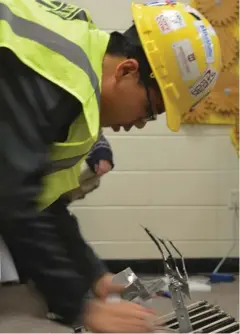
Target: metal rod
(172,315)
(206,312)
(218,322)
(211,317)
(185,325)
(222,329)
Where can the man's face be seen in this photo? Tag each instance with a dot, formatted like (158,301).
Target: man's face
(125,102)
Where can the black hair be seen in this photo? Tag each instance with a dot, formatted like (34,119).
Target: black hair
(129,45)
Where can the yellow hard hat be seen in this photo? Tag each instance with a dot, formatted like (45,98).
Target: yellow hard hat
(183,51)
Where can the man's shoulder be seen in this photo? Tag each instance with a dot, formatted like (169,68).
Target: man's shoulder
(66,11)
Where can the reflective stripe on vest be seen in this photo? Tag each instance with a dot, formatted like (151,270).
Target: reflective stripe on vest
(57,165)
(71,51)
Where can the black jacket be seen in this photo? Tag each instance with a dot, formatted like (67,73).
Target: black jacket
(33,114)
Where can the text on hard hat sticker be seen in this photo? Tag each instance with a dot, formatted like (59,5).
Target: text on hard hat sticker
(207,41)
(186,60)
(205,83)
(169,21)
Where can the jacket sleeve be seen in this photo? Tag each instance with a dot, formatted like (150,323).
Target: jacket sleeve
(27,128)
(84,256)
(100,151)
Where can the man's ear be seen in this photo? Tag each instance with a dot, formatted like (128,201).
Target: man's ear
(128,67)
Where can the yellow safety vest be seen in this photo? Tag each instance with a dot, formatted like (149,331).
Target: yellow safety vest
(60,42)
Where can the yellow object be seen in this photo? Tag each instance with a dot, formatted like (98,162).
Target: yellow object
(221,105)
(203,115)
(70,55)
(225,95)
(199,114)
(219,12)
(235,135)
(183,51)
(229,47)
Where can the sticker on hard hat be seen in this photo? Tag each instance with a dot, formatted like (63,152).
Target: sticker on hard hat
(155,3)
(207,41)
(211,30)
(193,11)
(205,83)
(169,21)
(162,3)
(186,60)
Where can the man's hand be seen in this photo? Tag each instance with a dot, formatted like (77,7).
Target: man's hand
(120,317)
(103,167)
(105,286)
(140,124)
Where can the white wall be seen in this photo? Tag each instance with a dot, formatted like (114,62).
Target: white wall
(176,184)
